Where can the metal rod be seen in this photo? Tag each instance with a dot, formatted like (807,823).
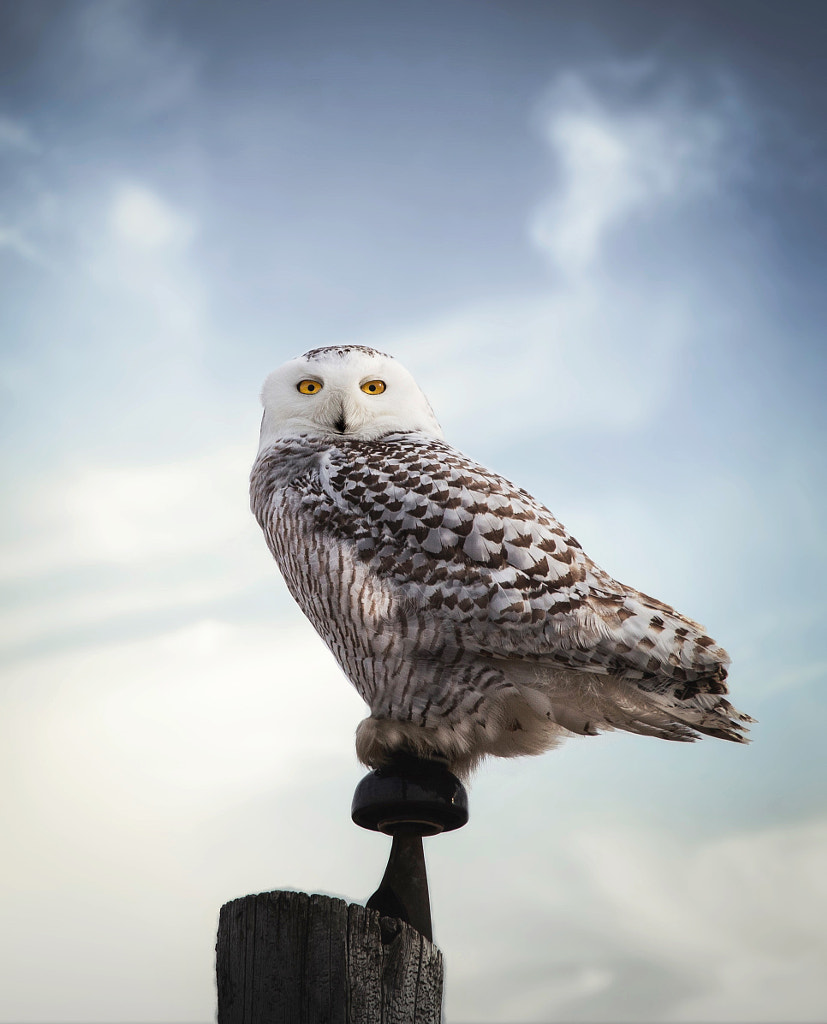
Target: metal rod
(403,891)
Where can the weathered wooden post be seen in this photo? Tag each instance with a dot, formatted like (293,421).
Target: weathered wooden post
(291,958)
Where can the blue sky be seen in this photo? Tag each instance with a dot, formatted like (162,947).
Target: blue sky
(595,232)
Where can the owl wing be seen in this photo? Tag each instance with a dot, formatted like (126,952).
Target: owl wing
(464,545)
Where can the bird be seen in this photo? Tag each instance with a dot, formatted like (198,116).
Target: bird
(470,621)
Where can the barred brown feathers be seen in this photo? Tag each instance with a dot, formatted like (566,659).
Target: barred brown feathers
(467,617)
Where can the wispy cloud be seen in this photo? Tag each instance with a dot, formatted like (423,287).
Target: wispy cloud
(17,135)
(126,544)
(125,53)
(615,161)
(17,242)
(158,733)
(210,726)
(141,249)
(193,713)
(600,346)
(579,360)
(140,217)
(730,928)
(122,514)
(135,773)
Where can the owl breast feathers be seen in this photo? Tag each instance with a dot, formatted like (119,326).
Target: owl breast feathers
(466,616)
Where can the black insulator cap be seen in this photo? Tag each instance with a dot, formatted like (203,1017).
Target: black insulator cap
(410,796)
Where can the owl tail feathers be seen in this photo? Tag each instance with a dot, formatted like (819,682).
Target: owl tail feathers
(533,715)
(711,715)
(684,721)
(587,705)
(630,718)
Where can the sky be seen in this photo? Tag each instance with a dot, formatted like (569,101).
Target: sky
(595,232)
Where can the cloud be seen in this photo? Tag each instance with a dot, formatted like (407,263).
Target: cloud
(226,741)
(636,924)
(126,54)
(217,726)
(583,360)
(140,217)
(143,771)
(207,712)
(600,346)
(128,542)
(141,252)
(16,135)
(17,242)
(614,164)
(144,780)
(121,514)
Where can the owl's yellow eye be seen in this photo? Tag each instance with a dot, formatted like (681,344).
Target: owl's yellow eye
(373,387)
(309,387)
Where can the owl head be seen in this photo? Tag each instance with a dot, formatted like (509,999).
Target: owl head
(344,391)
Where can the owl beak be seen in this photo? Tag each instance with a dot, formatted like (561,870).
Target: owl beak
(340,423)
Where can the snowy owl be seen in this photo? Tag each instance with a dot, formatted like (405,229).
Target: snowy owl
(467,617)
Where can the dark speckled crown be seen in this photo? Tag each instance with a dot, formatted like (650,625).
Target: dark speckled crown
(342,351)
